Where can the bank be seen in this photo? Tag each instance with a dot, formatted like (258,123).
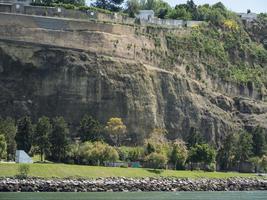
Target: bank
(122,184)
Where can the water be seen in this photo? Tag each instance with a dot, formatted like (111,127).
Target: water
(255,195)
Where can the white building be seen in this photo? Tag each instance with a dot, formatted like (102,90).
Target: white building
(248,17)
(145,14)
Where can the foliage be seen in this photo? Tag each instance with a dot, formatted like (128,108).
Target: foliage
(259,138)
(116,130)
(23,171)
(194,138)
(156,160)
(226,154)
(263,163)
(3,147)
(202,153)
(65,2)
(94,153)
(9,129)
(131,154)
(41,136)
(24,134)
(231,24)
(112,5)
(244,147)
(58,139)
(90,129)
(179,154)
(132,7)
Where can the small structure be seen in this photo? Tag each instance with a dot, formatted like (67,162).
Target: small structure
(145,14)
(22,157)
(248,17)
(21,2)
(123,164)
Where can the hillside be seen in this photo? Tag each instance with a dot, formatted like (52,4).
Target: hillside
(212,78)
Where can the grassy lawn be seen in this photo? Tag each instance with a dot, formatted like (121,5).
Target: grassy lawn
(64,170)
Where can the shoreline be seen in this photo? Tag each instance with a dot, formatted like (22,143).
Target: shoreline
(122,184)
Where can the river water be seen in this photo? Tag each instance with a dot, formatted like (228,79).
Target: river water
(255,195)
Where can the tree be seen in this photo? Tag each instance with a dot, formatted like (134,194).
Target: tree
(97,153)
(112,5)
(116,130)
(3,147)
(41,137)
(90,129)
(226,154)
(150,148)
(24,134)
(132,7)
(202,153)
(179,153)
(50,2)
(58,139)
(156,160)
(194,138)
(259,141)
(9,129)
(244,147)
(263,163)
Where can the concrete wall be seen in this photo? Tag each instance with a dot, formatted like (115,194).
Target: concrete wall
(66,13)
(90,14)
(5,7)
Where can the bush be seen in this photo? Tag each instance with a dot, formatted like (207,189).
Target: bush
(211,167)
(156,160)
(23,171)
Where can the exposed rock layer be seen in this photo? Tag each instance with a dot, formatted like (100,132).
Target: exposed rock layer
(102,70)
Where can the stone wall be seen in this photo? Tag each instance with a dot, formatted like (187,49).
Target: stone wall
(5,7)
(65,13)
(91,14)
(170,22)
(122,184)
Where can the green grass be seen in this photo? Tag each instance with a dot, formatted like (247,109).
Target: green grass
(64,170)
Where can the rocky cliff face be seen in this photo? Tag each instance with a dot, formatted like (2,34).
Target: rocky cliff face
(108,72)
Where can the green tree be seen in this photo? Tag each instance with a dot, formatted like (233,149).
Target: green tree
(24,134)
(156,160)
(150,148)
(90,129)
(9,129)
(226,154)
(132,7)
(116,130)
(179,154)
(244,147)
(59,139)
(97,153)
(41,137)
(202,153)
(112,5)
(263,163)
(259,141)
(194,138)
(3,147)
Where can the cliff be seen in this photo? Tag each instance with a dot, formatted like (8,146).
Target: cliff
(148,76)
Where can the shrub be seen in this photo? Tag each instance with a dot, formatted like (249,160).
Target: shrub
(156,160)
(23,171)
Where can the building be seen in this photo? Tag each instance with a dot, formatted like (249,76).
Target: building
(21,2)
(22,157)
(248,17)
(145,14)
